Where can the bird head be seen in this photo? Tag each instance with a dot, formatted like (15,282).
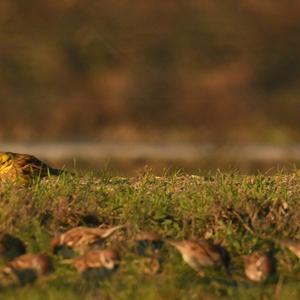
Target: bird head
(6,161)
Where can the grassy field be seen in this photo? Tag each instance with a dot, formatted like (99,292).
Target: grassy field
(243,213)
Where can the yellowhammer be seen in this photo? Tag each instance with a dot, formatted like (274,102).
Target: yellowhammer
(23,167)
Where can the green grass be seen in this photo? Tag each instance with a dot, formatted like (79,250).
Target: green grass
(243,213)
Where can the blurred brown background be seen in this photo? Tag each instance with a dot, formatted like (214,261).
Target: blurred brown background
(220,72)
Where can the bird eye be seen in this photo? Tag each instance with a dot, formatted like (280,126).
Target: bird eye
(4,158)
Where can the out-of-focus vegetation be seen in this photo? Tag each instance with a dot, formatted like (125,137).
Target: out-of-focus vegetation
(206,69)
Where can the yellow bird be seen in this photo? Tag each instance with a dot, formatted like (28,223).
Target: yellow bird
(23,167)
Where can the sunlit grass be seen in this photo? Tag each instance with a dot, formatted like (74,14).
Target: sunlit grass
(243,213)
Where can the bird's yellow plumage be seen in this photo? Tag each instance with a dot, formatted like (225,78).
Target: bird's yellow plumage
(6,162)
(23,167)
